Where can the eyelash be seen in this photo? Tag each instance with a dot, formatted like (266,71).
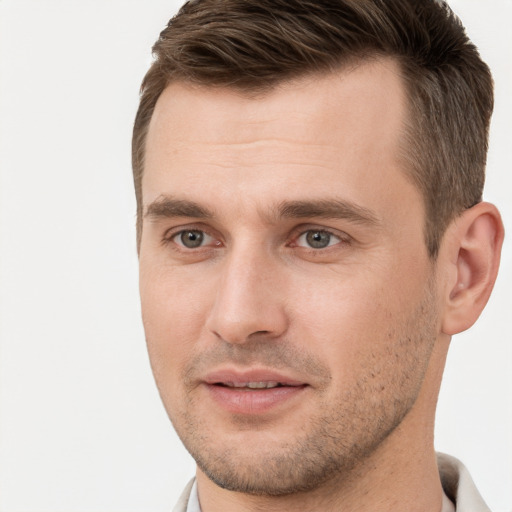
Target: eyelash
(342,238)
(320,233)
(170,237)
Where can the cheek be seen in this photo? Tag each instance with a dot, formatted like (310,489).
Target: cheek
(173,314)
(356,321)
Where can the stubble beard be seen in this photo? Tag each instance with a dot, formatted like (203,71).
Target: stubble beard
(341,437)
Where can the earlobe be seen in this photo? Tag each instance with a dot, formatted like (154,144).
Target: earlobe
(474,241)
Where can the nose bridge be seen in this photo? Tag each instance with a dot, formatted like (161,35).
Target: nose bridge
(247,299)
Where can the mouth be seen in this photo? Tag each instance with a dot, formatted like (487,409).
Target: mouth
(254,392)
(255,385)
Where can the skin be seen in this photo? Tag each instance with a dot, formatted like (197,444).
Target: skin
(363,323)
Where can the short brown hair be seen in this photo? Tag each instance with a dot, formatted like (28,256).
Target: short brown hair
(253,45)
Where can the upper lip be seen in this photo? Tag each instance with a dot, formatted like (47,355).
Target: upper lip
(241,377)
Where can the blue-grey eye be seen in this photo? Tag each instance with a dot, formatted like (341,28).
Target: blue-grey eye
(317,239)
(191,239)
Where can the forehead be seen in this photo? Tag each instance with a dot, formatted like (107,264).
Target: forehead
(342,128)
(336,98)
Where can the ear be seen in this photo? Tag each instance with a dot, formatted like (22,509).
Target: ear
(472,248)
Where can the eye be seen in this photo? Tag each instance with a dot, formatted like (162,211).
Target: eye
(317,239)
(192,238)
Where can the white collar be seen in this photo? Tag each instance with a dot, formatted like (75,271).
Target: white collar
(193,501)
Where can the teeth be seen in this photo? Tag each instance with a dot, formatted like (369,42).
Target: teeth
(262,385)
(253,385)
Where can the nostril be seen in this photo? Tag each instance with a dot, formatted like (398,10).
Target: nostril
(260,333)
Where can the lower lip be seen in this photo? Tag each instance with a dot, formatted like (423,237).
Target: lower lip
(253,401)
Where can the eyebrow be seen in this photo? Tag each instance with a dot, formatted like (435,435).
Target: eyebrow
(169,207)
(327,209)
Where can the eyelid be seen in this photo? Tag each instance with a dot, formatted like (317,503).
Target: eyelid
(302,230)
(333,240)
(206,239)
(171,233)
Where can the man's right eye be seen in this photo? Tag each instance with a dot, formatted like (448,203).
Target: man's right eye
(192,238)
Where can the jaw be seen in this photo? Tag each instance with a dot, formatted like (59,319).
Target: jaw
(401,470)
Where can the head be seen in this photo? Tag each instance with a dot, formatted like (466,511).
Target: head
(310,231)
(252,47)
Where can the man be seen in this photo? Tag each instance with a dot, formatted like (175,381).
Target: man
(311,234)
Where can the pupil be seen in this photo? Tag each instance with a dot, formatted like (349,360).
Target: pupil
(318,239)
(192,239)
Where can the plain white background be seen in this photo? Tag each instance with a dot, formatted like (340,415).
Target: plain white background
(82,427)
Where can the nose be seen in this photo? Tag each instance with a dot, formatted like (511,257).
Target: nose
(249,299)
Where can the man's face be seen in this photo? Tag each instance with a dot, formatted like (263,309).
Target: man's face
(286,290)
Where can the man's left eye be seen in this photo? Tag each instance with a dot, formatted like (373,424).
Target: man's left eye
(317,239)
(192,238)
